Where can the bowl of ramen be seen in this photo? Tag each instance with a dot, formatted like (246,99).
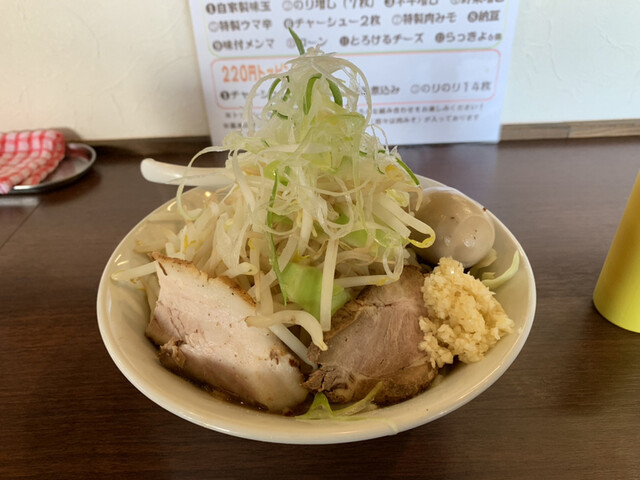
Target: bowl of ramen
(314,289)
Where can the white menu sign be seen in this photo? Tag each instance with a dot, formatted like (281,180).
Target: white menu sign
(437,68)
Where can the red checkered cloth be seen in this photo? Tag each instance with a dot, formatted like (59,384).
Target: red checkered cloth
(28,157)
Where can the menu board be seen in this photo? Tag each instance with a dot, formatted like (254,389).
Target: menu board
(437,69)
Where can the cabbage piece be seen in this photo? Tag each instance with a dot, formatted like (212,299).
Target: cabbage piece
(321,409)
(303,283)
(493,282)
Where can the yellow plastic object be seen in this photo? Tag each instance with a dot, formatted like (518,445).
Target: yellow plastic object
(617,293)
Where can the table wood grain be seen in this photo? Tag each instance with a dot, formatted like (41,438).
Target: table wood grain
(568,408)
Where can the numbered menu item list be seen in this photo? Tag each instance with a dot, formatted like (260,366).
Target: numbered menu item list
(436,69)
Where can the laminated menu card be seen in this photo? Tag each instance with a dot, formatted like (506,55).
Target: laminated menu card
(437,69)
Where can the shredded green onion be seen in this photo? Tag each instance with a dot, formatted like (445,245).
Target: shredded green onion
(273,87)
(408,170)
(297,41)
(313,186)
(272,246)
(309,93)
(337,94)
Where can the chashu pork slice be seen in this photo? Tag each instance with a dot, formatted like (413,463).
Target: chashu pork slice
(375,338)
(199,324)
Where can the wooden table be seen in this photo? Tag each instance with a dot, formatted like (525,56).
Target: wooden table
(568,408)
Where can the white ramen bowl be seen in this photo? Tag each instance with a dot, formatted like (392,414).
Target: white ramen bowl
(123,314)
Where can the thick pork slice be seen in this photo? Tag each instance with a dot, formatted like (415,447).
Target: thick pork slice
(199,324)
(375,338)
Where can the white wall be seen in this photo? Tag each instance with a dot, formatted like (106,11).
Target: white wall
(128,69)
(574,60)
(105,69)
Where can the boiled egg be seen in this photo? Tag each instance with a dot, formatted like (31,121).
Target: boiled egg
(464,230)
